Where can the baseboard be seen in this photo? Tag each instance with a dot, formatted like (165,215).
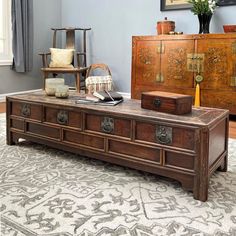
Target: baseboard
(3,96)
(125,95)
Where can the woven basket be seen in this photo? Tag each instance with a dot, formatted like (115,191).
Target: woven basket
(98,83)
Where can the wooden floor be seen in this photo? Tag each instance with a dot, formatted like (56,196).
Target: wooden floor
(2,107)
(232,123)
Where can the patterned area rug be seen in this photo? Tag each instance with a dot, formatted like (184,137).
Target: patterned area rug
(44,191)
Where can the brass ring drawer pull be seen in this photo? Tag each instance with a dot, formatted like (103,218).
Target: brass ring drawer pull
(107,125)
(164,135)
(25,110)
(62,117)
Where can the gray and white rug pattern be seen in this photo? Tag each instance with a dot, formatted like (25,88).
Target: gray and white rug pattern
(44,191)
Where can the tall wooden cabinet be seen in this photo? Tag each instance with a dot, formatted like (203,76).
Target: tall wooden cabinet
(172,62)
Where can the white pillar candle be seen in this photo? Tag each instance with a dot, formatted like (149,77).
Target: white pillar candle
(62,91)
(51,85)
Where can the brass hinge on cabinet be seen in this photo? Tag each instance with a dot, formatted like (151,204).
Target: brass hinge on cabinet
(159,78)
(234,47)
(160,48)
(195,62)
(233,82)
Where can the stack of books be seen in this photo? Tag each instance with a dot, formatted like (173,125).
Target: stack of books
(107,98)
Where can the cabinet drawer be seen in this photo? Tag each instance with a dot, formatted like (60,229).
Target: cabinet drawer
(27,110)
(62,117)
(178,160)
(180,137)
(108,125)
(83,139)
(138,151)
(43,130)
(17,124)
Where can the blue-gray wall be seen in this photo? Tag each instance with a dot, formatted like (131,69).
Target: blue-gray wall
(114,22)
(46,14)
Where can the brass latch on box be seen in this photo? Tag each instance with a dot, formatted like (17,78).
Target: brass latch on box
(160,48)
(159,78)
(195,62)
(233,82)
(234,47)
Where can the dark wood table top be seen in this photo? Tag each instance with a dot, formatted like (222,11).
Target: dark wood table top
(129,108)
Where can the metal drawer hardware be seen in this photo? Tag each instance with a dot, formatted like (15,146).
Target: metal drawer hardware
(157,102)
(62,117)
(25,110)
(234,47)
(159,78)
(233,82)
(107,125)
(164,134)
(160,48)
(195,62)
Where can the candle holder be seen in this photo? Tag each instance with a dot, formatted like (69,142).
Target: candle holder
(62,91)
(51,84)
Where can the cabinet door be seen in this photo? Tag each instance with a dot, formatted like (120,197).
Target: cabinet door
(219,68)
(161,64)
(145,64)
(174,64)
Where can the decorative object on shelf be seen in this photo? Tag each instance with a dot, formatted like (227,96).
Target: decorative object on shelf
(204,9)
(62,91)
(204,23)
(51,85)
(165,27)
(229,28)
(175,33)
(198,80)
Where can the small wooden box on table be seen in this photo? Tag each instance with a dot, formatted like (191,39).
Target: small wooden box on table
(188,148)
(173,103)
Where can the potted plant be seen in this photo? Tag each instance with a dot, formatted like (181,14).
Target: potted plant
(204,9)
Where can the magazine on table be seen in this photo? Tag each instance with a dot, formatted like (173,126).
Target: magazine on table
(106,95)
(104,99)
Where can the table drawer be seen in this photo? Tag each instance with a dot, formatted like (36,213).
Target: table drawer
(43,130)
(108,125)
(138,151)
(62,117)
(87,140)
(27,110)
(178,160)
(165,134)
(17,124)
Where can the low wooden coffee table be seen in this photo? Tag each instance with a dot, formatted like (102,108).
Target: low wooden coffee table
(188,148)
